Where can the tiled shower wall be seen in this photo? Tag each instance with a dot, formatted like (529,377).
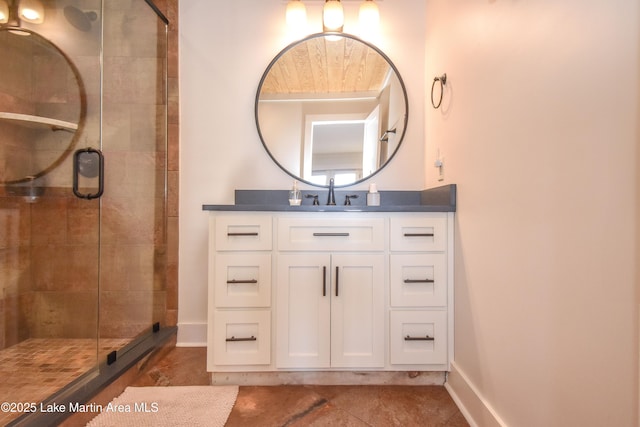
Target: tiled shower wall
(138,231)
(34,237)
(170,10)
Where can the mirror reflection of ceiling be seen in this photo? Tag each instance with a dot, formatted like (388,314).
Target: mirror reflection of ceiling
(324,65)
(331,106)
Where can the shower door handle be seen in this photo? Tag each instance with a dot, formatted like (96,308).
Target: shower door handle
(90,169)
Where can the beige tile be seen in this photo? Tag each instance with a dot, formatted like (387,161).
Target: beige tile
(83,218)
(173,154)
(64,267)
(173,194)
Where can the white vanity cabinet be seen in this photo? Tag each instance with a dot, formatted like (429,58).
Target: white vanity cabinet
(330,291)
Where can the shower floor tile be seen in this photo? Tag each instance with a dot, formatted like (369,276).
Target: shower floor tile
(36,368)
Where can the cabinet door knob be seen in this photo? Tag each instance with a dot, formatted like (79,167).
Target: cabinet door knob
(337,280)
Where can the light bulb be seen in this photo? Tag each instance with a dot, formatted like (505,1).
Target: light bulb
(31,11)
(4,12)
(369,15)
(369,21)
(333,16)
(296,16)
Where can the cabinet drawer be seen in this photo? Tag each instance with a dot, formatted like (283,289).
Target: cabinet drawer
(419,234)
(242,279)
(342,234)
(243,233)
(418,280)
(418,337)
(242,337)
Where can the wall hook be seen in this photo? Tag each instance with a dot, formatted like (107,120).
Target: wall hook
(443,81)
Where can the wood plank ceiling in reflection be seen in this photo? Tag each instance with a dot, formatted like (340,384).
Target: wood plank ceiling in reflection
(320,67)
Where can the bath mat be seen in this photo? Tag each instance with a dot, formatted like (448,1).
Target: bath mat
(169,406)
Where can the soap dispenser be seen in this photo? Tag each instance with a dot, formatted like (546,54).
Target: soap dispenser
(295,195)
(373,197)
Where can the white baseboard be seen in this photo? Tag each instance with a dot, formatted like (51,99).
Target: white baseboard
(476,410)
(192,335)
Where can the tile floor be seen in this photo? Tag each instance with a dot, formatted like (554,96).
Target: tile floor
(310,405)
(33,369)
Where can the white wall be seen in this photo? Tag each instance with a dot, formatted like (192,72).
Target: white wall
(539,129)
(224,48)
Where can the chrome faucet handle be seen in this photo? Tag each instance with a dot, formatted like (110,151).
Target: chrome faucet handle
(347,199)
(314,197)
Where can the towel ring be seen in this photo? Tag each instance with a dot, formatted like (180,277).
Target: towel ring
(443,81)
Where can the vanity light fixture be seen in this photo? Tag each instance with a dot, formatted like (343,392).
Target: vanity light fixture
(4,12)
(332,16)
(31,11)
(296,16)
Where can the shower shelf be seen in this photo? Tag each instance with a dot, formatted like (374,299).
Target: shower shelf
(38,121)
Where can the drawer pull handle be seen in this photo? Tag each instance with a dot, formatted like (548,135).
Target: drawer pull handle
(419,281)
(331,234)
(324,281)
(235,282)
(337,281)
(241,234)
(234,339)
(425,338)
(418,234)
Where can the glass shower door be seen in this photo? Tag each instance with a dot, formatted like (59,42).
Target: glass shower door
(83,170)
(134,139)
(49,237)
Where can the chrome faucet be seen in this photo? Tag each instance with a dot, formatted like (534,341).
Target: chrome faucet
(331,200)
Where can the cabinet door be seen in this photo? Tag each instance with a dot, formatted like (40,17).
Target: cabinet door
(303,309)
(357,310)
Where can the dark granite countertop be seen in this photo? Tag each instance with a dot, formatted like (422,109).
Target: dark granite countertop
(439,199)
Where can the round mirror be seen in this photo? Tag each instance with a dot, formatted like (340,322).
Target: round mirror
(42,105)
(331,106)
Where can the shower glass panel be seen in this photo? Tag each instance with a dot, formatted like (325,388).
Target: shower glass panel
(82,190)
(133,223)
